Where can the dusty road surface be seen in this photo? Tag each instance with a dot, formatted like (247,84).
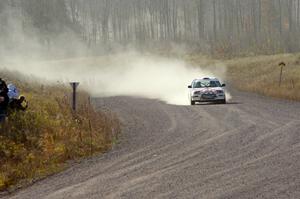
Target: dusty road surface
(246,149)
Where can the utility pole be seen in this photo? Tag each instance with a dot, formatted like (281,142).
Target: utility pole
(74,86)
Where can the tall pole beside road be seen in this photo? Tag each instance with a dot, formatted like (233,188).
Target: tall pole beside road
(74,86)
(281,64)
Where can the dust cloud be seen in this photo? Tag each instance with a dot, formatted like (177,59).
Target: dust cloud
(123,74)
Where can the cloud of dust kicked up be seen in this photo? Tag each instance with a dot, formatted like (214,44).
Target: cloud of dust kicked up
(128,73)
(124,74)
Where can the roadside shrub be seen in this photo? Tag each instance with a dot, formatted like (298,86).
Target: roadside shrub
(39,141)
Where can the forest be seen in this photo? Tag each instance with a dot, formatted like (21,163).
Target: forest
(215,27)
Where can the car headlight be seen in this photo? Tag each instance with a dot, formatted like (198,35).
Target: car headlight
(220,91)
(197,92)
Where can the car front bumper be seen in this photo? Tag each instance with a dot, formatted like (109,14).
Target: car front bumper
(200,98)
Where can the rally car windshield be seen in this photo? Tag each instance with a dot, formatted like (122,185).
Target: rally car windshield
(206,83)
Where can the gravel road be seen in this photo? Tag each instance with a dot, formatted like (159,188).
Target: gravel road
(249,148)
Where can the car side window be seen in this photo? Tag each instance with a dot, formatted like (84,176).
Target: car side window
(213,84)
(194,84)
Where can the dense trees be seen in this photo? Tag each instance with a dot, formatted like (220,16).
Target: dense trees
(230,27)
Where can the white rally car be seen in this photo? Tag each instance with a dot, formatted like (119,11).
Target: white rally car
(208,89)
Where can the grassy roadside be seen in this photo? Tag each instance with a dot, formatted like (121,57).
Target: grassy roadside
(260,74)
(38,142)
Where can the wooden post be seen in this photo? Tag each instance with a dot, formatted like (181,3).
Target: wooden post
(281,64)
(74,86)
(280,77)
(90,125)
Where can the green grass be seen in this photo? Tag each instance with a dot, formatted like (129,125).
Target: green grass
(39,142)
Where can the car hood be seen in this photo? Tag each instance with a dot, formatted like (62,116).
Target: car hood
(207,89)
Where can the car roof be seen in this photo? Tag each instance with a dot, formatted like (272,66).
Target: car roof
(207,78)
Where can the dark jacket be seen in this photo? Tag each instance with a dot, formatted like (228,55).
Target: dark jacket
(3,93)
(4,104)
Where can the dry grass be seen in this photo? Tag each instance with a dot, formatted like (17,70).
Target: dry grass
(261,75)
(258,74)
(38,142)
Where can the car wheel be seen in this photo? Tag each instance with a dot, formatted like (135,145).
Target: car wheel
(193,103)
